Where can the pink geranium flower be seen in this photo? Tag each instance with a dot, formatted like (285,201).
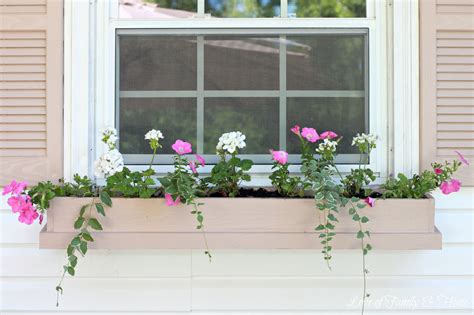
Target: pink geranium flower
(280,156)
(296,130)
(14,188)
(462,158)
(28,214)
(201,160)
(328,135)
(192,166)
(170,202)
(181,147)
(16,203)
(438,171)
(370,201)
(310,134)
(451,186)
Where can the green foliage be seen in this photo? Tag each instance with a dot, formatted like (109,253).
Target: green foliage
(286,185)
(79,244)
(227,175)
(355,183)
(131,184)
(330,8)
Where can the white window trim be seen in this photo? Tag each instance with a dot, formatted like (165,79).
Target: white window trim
(90,88)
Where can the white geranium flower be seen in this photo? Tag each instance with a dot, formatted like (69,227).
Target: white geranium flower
(327,146)
(109,163)
(231,141)
(365,142)
(109,137)
(154,135)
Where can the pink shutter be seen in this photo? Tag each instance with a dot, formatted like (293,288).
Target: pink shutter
(31,35)
(447,82)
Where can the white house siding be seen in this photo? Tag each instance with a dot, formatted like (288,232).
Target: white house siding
(242,282)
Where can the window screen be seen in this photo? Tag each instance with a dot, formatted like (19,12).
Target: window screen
(196,87)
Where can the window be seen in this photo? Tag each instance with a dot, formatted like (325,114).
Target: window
(195,87)
(197,75)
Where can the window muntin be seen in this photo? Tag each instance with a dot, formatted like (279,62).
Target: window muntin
(338,85)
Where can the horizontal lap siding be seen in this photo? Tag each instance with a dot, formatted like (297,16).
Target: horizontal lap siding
(30,90)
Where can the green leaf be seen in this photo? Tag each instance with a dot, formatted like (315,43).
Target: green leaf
(246,165)
(71,271)
(83,247)
(70,250)
(105,198)
(369,247)
(94,223)
(83,210)
(86,235)
(329,226)
(361,205)
(75,241)
(332,217)
(319,227)
(100,208)
(200,218)
(73,260)
(59,289)
(356,217)
(364,220)
(360,234)
(79,222)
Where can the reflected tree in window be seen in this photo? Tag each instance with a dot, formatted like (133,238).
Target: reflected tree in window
(327,8)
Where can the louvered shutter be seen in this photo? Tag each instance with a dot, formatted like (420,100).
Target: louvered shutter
(447,82)
(31,37)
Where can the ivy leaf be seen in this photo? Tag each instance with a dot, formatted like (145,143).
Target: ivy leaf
(86,236)
(364,220)
(83,210)
(79,222)
(71,271)
(360,234)
(70,250)
(75,241)
(105,198)
(332,217)
(83,247)
(100,209)
(94,223)
(319,227)
(73,260)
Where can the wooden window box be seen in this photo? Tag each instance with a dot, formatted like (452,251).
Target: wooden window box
(242,223)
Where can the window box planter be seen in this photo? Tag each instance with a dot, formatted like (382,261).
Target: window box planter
(243,223)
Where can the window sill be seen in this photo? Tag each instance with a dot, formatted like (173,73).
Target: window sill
(243,223)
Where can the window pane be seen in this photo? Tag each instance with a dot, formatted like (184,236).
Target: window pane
(157,62)
(241,63)
(257,118)
(175,117)
(243,8)
(345,116)
(326,62)
(327,8)
(157,9)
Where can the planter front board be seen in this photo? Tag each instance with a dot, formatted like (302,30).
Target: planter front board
(242,223)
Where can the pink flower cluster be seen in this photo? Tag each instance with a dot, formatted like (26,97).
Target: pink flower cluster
(312,135)
(200,160)
(452,185)
(280,157)
(21,202)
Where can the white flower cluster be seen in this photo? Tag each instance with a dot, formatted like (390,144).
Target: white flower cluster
(109,163)
(327,146)
(109,137)
(363,138)
(230,141)
(153,135)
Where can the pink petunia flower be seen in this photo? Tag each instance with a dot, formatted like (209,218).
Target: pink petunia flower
(462,158)
(438,171)
(14,188)
(280,156)
(451,186)
(192,166)
(181,147)
(310,134)
(170,202)
(370,201)
(201,160)
(328,135)
(28,214)
(16,203)
(296,130)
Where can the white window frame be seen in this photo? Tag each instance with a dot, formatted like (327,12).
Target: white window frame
(90,79)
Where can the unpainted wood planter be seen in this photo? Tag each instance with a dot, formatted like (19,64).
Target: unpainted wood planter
(242,223)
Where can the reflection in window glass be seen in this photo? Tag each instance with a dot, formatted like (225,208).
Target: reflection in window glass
(326,62)
(175,117)
(241,63)
(327,8)
(243,8)
(257,118)
(157,9)
(156,62)
(345,116)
